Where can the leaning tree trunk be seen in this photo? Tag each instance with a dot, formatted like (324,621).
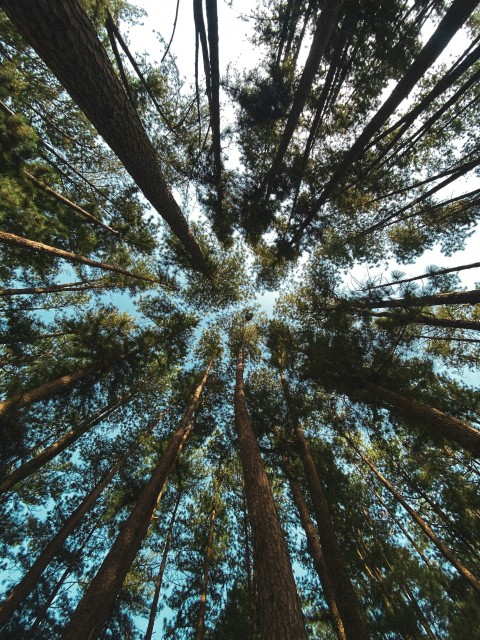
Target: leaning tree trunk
(47,454)
(314,548)
(63,36)
(430,321)
(452,297)
(96,605)
(161,571)
(279,605)
(86,285)
(435,421)
(29,581)
(442,548)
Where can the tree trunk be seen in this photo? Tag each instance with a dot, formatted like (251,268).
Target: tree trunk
(446,553)
(47,454)
(315,550)
(458,12)
(96,605)
(63,36)
(200,627)
(431,321)
(452,297)
(280,612)
(432,274)
(29,581)
(25,243)
(437,422)
(354,625)
(161,571)
(86,285)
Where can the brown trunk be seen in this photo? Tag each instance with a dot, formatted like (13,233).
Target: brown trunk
(432,274)
(446,553)
(436,421)
(346,600)
(29,581)
(353,623)
(37,462)
(161,571)
(279,605)
(315,550)
(53,388)
(87,285)
(431,321)
(25,243)
(452,297)
(96,605)
(62,34)
(248,570)
(200,630)
(58,196)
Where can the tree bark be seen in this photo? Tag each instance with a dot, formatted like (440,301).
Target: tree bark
(29,581)
(431,274)
(63,36)
(86,285)
(437,422)
(47,454)
(96,605)
(452,297)
(431,321)
(32,245)
(442,548)
(314,548)
(354,625)
(279,605)
(161,571)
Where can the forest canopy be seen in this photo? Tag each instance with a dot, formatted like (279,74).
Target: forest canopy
(178,459)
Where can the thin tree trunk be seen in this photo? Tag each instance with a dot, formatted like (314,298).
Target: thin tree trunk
(315,550)
(62,34)
(97,603)
(345,596)
(353,623)
(86,285)
(452,297)
(437,422)
(430,321)
(212,22)
(58,196)
(47,454)
(280,611)
(442,548)
(200,626)
(458,12)
(432,274)
(29,581)
(24,243)
(161,571)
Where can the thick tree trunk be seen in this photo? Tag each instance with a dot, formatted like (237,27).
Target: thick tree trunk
(442,548)
(29,581)
(279,606)
(346,599)
(96,605)
(63,36)
(315,550)
(47,454)
(161,571)
(25,243)
(436,421)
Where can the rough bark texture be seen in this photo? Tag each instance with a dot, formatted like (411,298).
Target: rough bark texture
(63,36)
(315,550)
(436,421)
(279,606)
(161,571)
(96,605)
(25,243)
(200,631)
(354,625)
(47,454)
(444,550)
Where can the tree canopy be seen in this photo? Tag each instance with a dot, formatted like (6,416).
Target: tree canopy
(178,458)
